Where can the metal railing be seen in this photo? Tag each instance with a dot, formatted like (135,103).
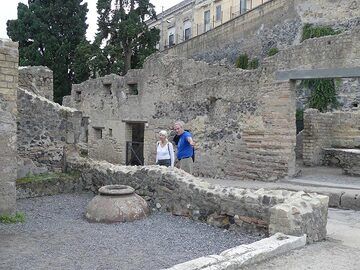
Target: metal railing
(134,153)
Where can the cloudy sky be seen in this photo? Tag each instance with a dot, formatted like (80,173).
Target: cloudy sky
(8,11)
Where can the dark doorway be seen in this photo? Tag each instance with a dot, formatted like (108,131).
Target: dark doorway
(135,144)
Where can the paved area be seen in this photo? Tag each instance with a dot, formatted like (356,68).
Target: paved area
(343,190)
(340,251)
(56,236)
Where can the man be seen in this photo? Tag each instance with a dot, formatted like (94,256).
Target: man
(185,146)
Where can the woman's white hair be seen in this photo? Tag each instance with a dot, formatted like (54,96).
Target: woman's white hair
(163,132)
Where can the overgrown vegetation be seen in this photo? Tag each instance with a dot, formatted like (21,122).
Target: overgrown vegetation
(52,176)
(311,31)
(299,115)
(9,219)
(254,64)
(273,51)
(323,91)
(244,62)
(323,94)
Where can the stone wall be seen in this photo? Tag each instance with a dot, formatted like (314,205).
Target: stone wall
(328,130)
(8,85)
(270,211)
(44,129)
(235,128)
(38,80)
(277,23)
(243,121)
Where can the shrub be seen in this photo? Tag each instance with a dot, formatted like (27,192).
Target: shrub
(310,31)
(254,63)
(242,61)
(273,51)
(323,93)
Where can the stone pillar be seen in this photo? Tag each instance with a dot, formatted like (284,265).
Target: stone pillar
(8,84)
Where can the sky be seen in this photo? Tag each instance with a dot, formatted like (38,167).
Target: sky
(8,11)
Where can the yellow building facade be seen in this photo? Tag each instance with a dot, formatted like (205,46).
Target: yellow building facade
(191,18)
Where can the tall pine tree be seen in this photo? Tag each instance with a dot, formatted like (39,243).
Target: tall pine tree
(49,32)
(128,40)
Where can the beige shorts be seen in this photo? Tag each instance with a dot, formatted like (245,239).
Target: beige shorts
(186,164)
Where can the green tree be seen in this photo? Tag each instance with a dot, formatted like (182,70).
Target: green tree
(48,32)
(128,40)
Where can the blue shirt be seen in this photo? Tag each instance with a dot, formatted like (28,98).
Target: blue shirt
(185,149)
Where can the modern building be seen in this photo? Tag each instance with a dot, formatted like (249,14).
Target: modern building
(191,18)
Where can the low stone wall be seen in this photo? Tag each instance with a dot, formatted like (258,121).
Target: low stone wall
(347,159)
(48,184)
(295,213)
(328,130)
(44,129)
(38,80)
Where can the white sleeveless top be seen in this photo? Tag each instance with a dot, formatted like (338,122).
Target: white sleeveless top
(166,152)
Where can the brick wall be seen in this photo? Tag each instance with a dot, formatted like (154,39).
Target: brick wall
(328,130)
(8,85)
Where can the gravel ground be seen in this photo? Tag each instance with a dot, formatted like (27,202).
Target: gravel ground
(56,236)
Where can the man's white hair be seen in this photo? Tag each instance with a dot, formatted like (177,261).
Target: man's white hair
(180,123)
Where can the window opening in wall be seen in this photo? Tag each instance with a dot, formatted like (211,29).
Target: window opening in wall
(108,88)
(110,132)
(207,21)
(133,89)
(355,104)
(97,132)
(218,13)
(77,96)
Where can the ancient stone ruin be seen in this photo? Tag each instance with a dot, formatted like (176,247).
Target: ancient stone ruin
(243,122)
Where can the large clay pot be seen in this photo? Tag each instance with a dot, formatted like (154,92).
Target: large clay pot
(116,203)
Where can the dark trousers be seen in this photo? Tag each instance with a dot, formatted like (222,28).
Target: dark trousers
(164,162)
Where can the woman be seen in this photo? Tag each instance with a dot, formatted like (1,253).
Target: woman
(164,151)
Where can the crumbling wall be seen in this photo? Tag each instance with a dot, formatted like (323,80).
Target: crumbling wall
(236,129)
(38,80)
(44,128)
(329,130)
(243,121)
(8,85)
(269,211)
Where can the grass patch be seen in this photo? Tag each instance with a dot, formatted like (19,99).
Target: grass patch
(10,219)
(52,176)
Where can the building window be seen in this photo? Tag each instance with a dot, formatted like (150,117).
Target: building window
(110,132)
(97,133)
(187,29)
(218,13)
(133,89)
(187,34)
(243,6)
(206,20)
(171,35)
(171,40)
